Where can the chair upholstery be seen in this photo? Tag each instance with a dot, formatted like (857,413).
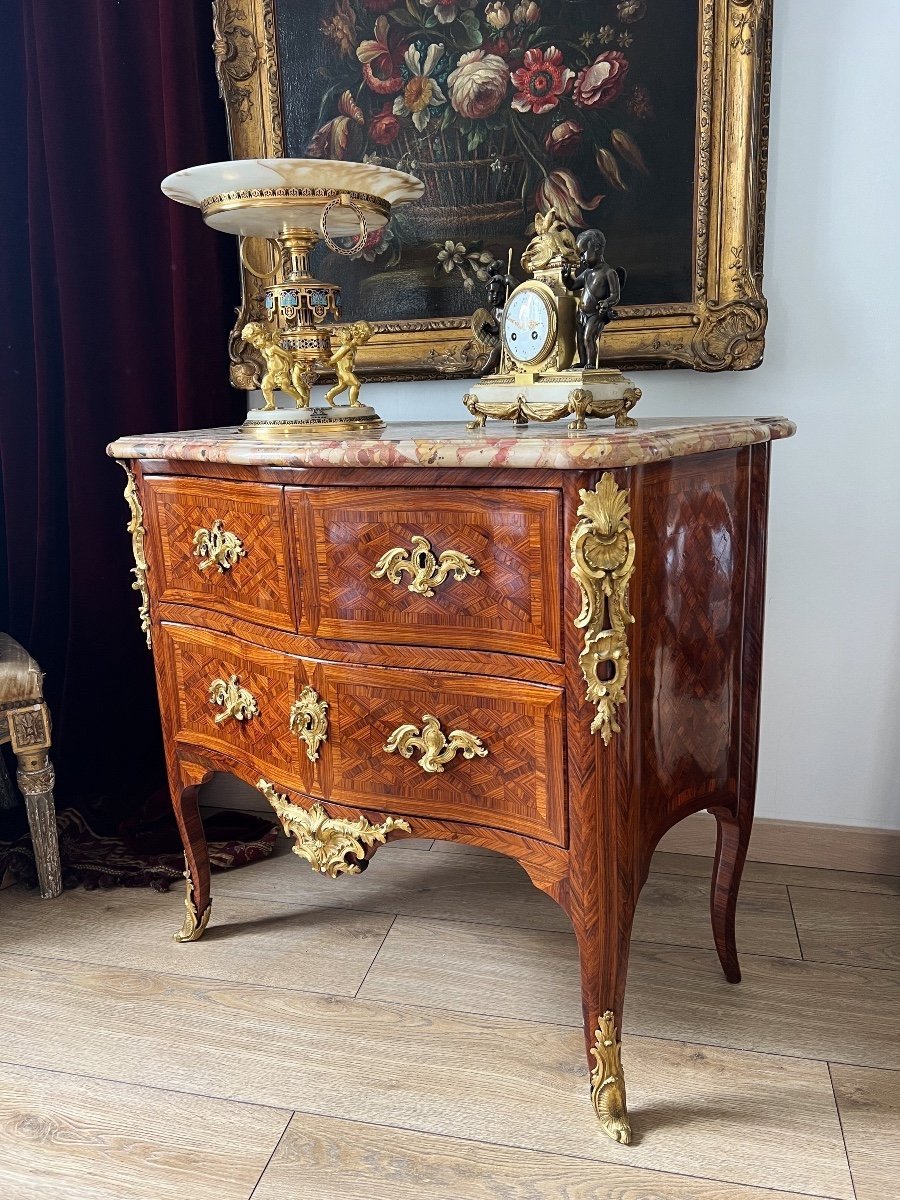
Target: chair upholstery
(20,676)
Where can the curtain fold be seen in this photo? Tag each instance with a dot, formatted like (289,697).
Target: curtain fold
(114,316)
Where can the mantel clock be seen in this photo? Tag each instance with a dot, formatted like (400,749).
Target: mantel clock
(539,326)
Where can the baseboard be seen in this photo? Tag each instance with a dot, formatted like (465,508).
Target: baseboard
(798,844)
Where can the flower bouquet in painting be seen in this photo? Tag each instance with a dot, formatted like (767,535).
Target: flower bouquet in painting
(504,109)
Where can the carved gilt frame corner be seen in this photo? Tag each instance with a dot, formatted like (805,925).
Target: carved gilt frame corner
(722,328)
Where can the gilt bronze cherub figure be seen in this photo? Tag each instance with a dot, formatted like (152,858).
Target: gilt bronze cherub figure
(283,370)
(343,360)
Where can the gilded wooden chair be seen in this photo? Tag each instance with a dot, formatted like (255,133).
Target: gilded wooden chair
(25,723)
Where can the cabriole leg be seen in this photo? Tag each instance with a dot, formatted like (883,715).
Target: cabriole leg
(604,962)
(197,901)
(732,840)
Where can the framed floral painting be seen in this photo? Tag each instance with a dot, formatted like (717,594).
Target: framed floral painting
(646,118)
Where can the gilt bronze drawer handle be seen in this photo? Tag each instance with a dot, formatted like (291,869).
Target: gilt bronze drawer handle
(234,700)
(217,547)
(327,842)
(436,748)
(309,722)
(426,569)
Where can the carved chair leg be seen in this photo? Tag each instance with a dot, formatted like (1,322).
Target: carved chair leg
(35,779)
(29,735)
(732,840)
(197,902)
(42,823)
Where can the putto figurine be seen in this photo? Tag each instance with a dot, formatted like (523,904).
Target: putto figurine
(487,324)
(282,369)
(529,373)
(600,287)
(343,360)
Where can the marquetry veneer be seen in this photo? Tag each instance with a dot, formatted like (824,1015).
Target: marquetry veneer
(540,643)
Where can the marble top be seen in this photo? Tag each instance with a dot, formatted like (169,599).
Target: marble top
(451,444)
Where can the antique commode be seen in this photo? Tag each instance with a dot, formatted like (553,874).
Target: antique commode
(538,641)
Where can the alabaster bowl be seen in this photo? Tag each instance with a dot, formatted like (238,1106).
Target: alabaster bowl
(264,197)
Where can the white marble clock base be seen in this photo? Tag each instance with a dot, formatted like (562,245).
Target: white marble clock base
(547,396)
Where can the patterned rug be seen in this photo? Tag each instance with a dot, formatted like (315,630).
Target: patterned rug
(147,856)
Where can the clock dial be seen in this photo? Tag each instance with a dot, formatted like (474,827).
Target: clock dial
(527,326)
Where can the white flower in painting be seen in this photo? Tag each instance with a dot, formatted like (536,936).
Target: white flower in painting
(452,255)
(497,14)
(472,264)
(447,11)
(421,93)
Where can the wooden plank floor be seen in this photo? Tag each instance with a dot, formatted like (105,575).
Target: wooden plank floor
(414,1032)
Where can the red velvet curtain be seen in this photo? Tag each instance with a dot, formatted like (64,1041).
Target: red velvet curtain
(114,312)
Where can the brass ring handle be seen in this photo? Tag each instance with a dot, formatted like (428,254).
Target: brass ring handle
(329,241)
(235,701)
(260,275)
(436,748)
(308,721)
(427,570)
(217,547)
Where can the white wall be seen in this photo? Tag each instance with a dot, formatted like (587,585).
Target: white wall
(830,747)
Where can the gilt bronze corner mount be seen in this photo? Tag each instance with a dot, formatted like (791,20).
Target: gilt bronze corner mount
(136,528)
(603,553)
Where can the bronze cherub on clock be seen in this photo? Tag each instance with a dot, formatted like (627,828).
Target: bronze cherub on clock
(540,326)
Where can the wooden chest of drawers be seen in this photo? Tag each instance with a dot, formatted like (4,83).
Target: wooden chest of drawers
(542,643)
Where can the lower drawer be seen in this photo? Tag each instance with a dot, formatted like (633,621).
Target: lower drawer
(415,743)
(229,695)
(513,780)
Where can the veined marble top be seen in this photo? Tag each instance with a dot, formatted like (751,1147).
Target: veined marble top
(451,444)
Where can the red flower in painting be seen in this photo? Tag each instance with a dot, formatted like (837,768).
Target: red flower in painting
(381,57)
(540,81)
(601,82)
(384,126)
(498,45)
(563,139)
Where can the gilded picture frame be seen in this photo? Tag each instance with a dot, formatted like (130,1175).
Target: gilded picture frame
(721,327)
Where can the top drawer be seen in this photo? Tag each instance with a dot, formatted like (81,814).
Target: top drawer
(467,568)
(219,545)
